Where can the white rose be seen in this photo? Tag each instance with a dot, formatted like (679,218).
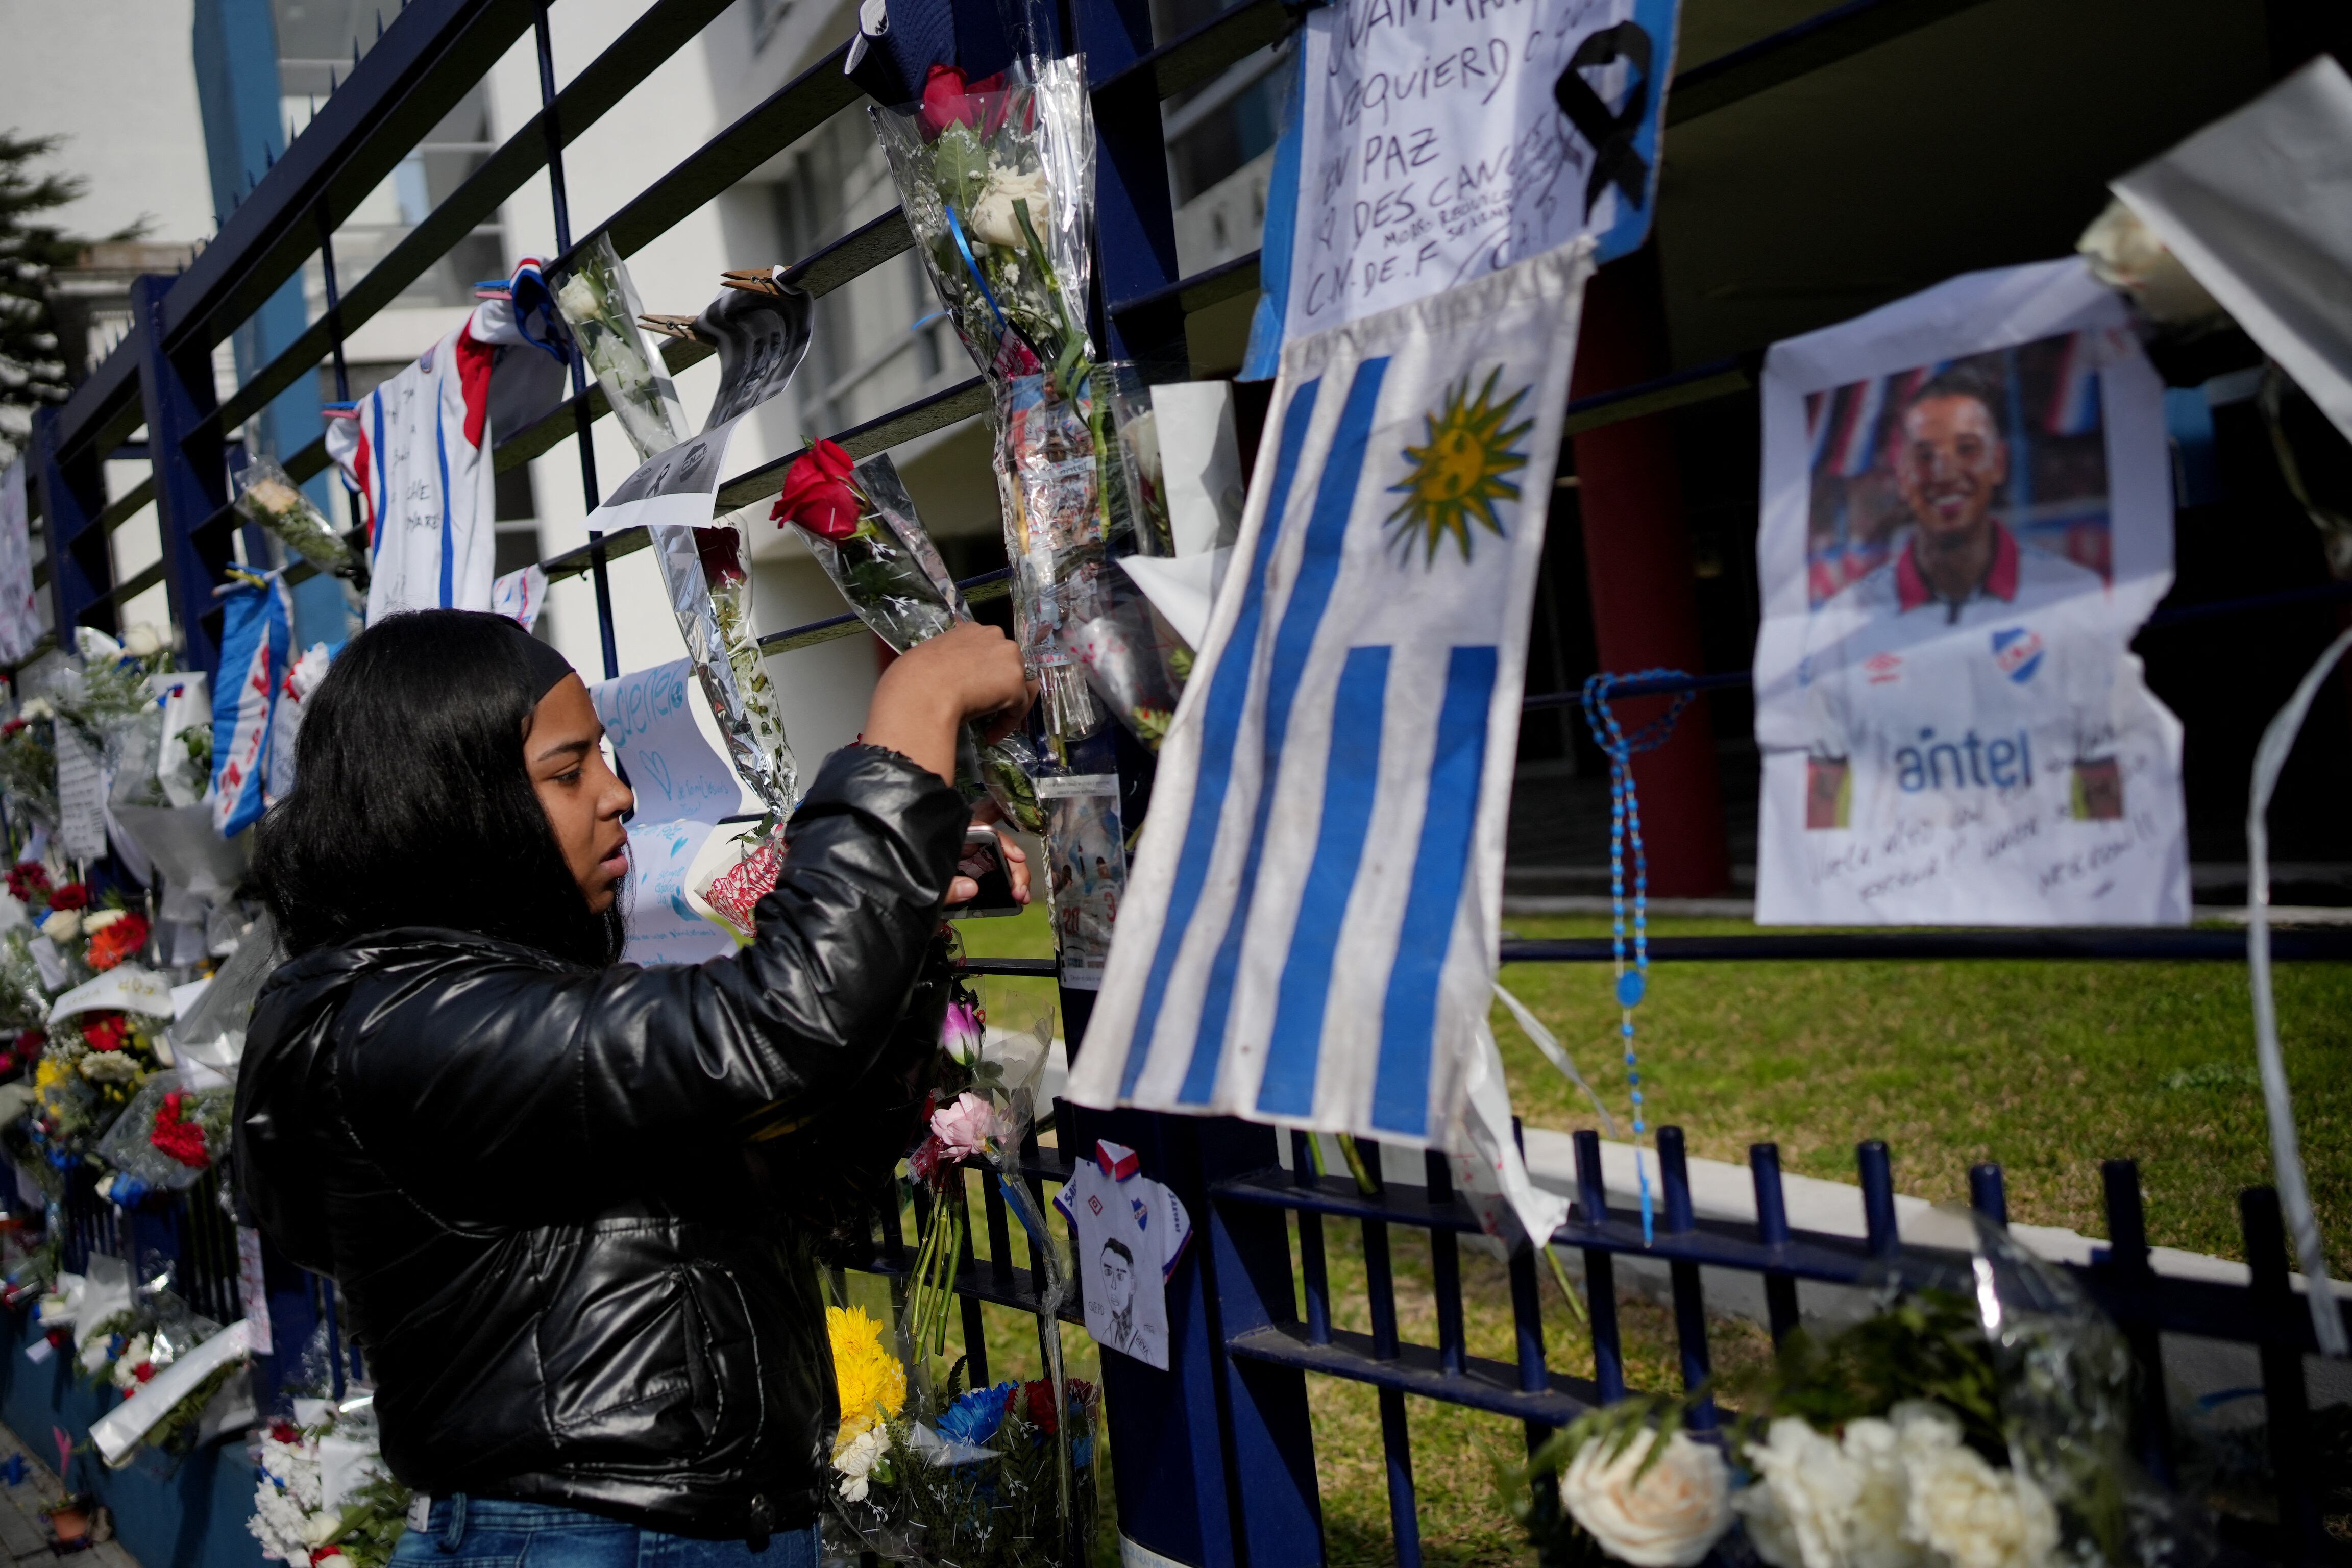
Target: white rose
(38,707)
(321,1527)
(1805,1491)
(1874,1536)
(1975,1516)
(992,219)
(98,920)
(63,925)
(142,641)
(1669,1515)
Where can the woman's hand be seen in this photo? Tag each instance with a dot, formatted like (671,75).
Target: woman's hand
(963,890)
(971,674)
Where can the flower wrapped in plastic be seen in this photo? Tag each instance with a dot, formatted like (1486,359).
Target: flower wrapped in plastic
(601,306)
(996,180)
(322,1494)
(268,495)
(1990,1429)
(165,1140)
(860,524)
(963,1477)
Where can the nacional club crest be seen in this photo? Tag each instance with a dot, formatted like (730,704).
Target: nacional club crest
(2018,651)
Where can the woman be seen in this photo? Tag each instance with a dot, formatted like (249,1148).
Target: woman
(530,1168)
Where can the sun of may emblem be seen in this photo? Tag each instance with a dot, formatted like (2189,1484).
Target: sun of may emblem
(1460,472)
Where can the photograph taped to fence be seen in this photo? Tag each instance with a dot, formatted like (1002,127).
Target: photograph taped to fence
(1968,514)
(1086,858)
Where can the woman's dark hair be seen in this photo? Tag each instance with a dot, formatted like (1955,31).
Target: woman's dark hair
(411,803)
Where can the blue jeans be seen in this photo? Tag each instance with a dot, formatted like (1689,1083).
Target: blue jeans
(497,1532)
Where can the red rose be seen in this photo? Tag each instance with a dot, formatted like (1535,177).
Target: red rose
(283,1431)
(1041,1415)
(27,880)
(323,1553)
(720,551)
(8,731)
(948,101)
(71,896)
(105,1031)
(817,492)
(143,1371)
(176,1136)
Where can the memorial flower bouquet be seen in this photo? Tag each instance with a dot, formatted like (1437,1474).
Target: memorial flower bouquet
(600,304)
(268,495)
(1945,1431)
(996,180)
(970,1477)
(324,1498)
(860,524)
(28,765)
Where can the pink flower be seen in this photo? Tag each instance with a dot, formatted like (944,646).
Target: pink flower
(965,1127)
(959,1032)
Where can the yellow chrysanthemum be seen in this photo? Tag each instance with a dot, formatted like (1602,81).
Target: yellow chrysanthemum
(871,1384)
(48,1074)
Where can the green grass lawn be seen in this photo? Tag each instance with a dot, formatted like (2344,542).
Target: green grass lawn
(2047,1068)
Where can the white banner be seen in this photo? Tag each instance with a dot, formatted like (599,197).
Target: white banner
(1966,513)
(1438,144)
(1311,920)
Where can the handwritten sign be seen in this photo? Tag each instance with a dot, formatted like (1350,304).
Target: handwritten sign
(81,795)
(1440,140)
(649,717)
(682,789)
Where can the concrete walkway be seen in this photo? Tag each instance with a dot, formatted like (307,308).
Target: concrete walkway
(24,1529)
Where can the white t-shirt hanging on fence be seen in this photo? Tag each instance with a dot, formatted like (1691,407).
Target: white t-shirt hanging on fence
(417,451)
(1966,513)
(1131,1232)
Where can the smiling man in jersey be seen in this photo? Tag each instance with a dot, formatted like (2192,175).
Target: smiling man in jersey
(1951,628)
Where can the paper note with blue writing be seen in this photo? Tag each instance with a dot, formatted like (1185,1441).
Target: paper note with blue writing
(1311,919)
(1432,143)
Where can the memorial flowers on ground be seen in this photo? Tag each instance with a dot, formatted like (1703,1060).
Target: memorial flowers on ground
(1942,1432)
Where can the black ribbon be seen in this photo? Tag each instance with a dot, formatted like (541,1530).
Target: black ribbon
(1609,132)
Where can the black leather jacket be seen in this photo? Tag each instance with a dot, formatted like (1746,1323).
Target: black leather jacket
(555,1199)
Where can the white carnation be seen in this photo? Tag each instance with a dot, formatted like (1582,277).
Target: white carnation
(857,1459)
(142,641)
(38,707)
(1666,1513)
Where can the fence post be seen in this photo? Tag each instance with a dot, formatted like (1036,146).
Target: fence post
(1135,222)
(190,454)
(73,492)
(1214,1457)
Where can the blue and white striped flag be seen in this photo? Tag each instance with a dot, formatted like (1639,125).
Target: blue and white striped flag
(1310,926)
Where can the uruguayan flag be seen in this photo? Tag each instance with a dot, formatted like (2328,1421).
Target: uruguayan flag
(1310,926)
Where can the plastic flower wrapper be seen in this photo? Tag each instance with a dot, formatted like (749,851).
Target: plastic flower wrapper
(711,595)
(983,1105)
(28,761)
(600,304)
(860,524)
(1133,659)
(2066,1388)
(996,180)
(165,1140)
(268,495)
(964,1477)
